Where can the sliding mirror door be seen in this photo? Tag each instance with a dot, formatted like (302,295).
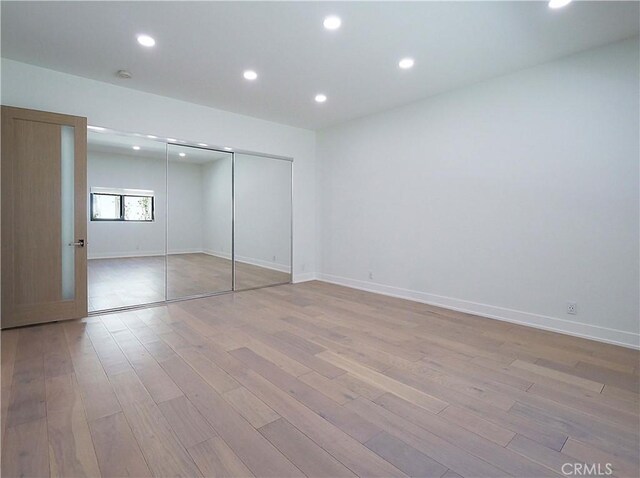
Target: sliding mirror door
(199,255)
(127,220)
(262,221)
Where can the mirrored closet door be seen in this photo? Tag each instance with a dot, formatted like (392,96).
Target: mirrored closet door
(169,220)
(126,182)
(263,221)
(200,207)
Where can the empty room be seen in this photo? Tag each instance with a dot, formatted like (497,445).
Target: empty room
(320,239)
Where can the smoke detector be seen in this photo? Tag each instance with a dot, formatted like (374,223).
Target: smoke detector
(124,74)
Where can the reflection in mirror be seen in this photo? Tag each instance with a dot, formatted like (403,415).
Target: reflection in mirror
(263,221)
(126,225)
(200,221)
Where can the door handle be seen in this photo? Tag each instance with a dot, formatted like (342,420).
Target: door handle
(80,243)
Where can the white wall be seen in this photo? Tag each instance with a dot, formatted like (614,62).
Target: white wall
(507,198)
(128,110)
(217,207)
(263,212)
(185,208)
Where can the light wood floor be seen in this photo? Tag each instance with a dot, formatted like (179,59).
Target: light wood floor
(130,281)
(312,379)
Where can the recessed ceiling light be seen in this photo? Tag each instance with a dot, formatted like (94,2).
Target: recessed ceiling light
(136,147)
(182,155)
(406,63)
(228,148)
(203,144)
(558,3)
(172,140)
(250,75)
(96,128)
(150,136)
(321,98)
(146,40)
(332,22)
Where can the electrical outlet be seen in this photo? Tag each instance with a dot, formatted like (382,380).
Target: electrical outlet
(572,308)
(370,275)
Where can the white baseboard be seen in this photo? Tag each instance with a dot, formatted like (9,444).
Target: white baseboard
(594,332)
(123,255)
(250,260)
(304,277)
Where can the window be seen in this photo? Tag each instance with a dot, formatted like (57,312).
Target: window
(109,204)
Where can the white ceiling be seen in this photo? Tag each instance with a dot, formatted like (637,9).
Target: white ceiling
(203,47)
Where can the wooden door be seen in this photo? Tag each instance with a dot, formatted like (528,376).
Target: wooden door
(44,219)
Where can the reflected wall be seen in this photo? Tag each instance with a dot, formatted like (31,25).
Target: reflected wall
(262,221)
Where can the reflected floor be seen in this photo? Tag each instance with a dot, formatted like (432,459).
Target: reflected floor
(131,281)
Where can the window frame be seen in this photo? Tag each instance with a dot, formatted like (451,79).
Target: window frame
(122,196)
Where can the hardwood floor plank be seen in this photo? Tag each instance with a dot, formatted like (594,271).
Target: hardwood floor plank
(163,452)
(554,460)
(211,373)
(251,447)
(561,376)
(116,448)
(330,388)
(422,440)
(506,460)
(312,460)
(185,420)
(472,422)
(129,388)
(350,423)
(390,385)
(617,442)
(158,383)
(27,398)
(215,459)
(588,454)
(25,450)
(71,451)
(250,407)
(341,446)
(405,457)
(8,346)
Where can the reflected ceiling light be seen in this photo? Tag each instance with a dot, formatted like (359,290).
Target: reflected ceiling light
(320,98)
(96,128)
(146,40)
(172,140)
(228,148)
(182,155)
(250,75)
(136,147)
(203,144)
(558,3)
(151,136)
(406,63)
(332,22)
